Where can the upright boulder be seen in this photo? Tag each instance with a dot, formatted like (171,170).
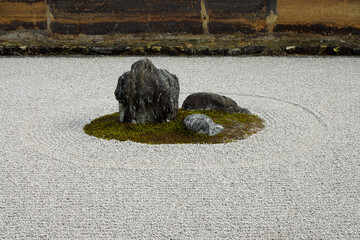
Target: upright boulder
(212,101)
(147,94)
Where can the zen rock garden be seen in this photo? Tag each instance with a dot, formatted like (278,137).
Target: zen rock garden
(148,99)
(150,95)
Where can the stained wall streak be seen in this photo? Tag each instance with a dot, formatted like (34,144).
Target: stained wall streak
(204,16)
(49,16)
(271,15)
(231,16)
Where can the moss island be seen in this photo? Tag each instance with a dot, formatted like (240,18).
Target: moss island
(236,126)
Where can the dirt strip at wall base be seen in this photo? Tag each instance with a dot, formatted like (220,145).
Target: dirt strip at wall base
(38,44)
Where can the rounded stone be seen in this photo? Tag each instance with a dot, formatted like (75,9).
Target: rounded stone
(201,123)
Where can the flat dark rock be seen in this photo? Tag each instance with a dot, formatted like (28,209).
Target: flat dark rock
(212,101)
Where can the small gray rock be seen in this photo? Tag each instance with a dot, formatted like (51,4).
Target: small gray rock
(201,123)
(212,101)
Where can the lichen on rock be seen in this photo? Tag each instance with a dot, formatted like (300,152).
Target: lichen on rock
(202,124)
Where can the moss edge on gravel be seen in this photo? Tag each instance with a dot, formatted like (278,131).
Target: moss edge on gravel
(236,126)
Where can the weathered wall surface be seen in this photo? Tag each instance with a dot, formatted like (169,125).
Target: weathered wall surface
(154,16)
(124,16)
(25,14)
(318,16)
(180,16)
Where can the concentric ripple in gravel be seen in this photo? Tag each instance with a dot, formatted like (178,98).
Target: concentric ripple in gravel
(297,178)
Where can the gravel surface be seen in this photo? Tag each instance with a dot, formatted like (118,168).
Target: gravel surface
(299,178)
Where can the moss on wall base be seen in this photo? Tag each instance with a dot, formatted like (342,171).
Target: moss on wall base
(36,44)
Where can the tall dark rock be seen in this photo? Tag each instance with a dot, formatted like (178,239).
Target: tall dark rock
(147,94)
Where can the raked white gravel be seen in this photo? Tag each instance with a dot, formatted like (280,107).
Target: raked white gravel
(299,178)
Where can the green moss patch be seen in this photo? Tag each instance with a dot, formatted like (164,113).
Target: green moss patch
(236,126)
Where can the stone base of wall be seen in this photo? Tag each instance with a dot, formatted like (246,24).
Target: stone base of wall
(25,43)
